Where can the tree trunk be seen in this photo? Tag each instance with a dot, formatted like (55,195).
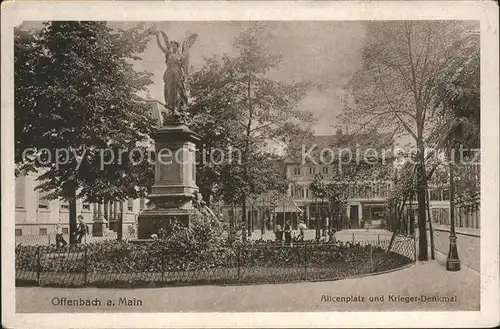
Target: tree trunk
(323,233)
(73,225)
(244,218)
(431,232)
(119,224)
(263,221)
(412,215)
(398,213)
(422,223)
(231,223)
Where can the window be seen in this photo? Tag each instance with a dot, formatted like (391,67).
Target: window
(65,230)
(307,192)
(20,191)
(64,206)
(42,231)
(86,206)
(19,232)
(296,171)
(299,192)
(446,216)
(325,170)
(368,192)
(446,195)
(42,202)
(130,205)
(435,215)
(435,195)
(312,170)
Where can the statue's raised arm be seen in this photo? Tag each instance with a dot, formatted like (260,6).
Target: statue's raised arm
(165,46)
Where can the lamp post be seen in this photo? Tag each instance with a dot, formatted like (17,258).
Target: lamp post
(453,262)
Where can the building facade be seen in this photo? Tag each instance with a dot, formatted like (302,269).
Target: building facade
(37,216)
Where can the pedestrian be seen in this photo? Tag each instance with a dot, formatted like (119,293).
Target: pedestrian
(288,233)
(59,236)
(331,235)
(81,230)
(131,230)
(302,229)
(326,223)
(278,233)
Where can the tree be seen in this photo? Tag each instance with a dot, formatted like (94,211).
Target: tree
(76,99)
(398,85)
(245,109)
(319,190)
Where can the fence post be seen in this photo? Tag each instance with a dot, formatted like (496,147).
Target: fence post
(38,266)
(305,261)
(414,249)
(85,260)
(370,249)
(162,266)
(238,255)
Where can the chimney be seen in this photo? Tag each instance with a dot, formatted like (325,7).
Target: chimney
(338,133)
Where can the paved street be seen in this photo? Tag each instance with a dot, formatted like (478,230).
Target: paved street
(429,278)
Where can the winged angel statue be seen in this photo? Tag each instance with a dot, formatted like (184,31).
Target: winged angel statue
(175,76)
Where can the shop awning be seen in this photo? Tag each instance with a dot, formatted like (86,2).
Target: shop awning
(287,204)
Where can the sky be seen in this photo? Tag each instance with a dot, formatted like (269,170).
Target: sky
(325,53)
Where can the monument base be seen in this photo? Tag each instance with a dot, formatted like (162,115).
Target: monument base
(174,190)
(151,221)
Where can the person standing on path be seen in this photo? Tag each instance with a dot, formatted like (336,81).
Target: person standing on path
(278,233)
(82,229)
(288,233)
(302,229)
(59,236)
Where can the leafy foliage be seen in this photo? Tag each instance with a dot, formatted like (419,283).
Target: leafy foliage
(236,106)
(76,90)
(76,98)
(399,86)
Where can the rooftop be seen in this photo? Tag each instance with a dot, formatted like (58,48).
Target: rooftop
(335,144)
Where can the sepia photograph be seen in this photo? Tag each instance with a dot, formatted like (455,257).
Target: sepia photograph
(239,166)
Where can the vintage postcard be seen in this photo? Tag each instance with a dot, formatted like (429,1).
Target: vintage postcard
(250,164)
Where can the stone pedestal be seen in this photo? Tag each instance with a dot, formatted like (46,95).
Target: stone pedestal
(174,189)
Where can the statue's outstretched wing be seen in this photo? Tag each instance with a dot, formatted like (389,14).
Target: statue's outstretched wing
(186,45)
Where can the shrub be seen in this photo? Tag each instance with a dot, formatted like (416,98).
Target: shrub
(196,246)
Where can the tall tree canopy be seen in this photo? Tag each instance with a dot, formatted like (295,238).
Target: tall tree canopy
(76,93)
(400,85)
(238,105)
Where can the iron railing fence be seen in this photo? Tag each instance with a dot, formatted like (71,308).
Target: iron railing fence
(114,263)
